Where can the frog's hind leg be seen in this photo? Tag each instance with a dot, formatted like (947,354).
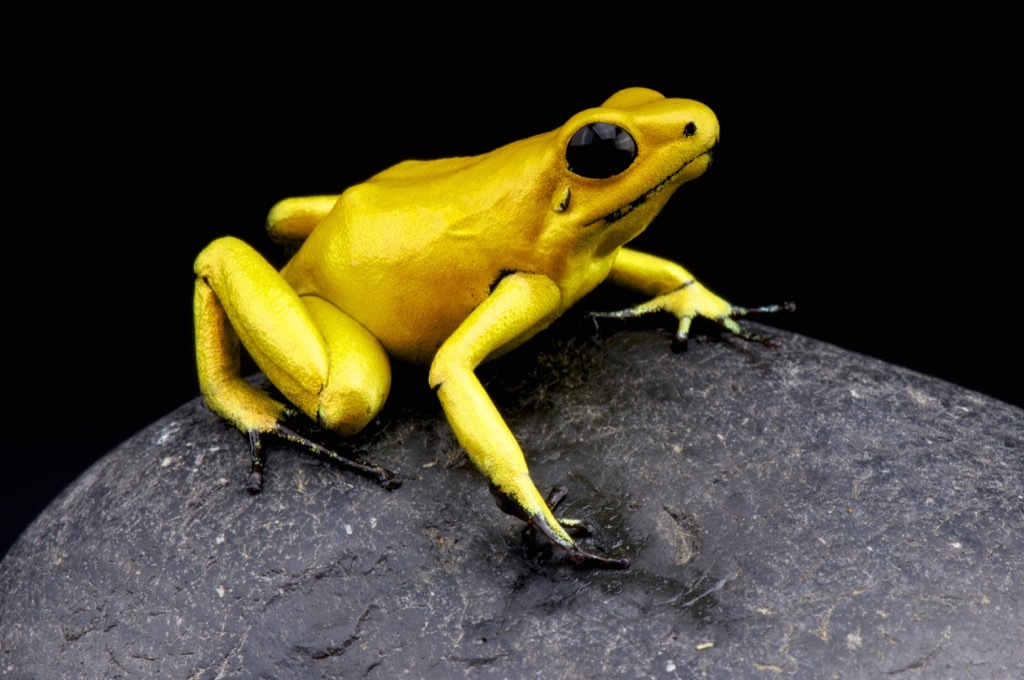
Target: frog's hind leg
(321,360)
(357,385)
(292,220)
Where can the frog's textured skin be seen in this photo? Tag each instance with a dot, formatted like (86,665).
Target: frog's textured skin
(449,263)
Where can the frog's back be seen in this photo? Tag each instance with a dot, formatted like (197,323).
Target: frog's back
(413,250)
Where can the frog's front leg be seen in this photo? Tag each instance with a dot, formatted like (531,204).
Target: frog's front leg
(519,306)
(321,360)
(675,290)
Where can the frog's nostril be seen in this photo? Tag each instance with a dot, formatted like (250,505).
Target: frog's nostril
(690,129)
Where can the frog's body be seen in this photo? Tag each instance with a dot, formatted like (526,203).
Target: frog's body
(449,263)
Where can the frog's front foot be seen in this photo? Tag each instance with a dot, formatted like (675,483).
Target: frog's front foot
(728,321)
(254,483)
(538,523)
(688,304)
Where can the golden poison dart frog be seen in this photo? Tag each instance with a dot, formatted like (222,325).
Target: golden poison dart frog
(449,263)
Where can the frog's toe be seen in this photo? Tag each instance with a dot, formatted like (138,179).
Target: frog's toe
(765,309)
(254,482)
(629,312)
(575,526)
(680,340)
(736,312)
(589,559)
(737,330)
(386,478)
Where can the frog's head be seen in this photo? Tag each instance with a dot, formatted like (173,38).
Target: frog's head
(619,163)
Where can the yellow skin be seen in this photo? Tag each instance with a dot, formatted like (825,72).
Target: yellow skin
(449,263)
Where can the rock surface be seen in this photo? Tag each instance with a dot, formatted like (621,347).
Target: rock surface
(798,512)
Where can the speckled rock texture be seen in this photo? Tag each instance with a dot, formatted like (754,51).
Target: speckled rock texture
(797,511)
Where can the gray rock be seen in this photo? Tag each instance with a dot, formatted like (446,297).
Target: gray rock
(798,511)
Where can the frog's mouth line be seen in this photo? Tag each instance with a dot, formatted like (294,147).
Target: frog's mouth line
(624,210)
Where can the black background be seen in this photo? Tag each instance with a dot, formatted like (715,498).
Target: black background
(866,171)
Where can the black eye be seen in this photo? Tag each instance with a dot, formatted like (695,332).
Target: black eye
(600,150)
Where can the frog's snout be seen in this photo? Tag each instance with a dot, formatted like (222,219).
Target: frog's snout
(710,153)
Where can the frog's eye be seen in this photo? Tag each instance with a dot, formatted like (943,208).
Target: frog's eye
(600,150)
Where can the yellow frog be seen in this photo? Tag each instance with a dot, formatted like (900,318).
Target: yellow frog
(449,263)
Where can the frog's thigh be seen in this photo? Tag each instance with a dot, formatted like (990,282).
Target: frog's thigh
(240,296)
(358,374)
(294,219)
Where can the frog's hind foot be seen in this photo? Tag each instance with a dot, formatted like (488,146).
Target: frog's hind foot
(254,483)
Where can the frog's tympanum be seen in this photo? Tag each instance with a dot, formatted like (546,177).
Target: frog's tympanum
(449,263)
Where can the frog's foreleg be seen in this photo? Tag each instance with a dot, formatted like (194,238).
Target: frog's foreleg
(675,290)
(519,306)
(320,359)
